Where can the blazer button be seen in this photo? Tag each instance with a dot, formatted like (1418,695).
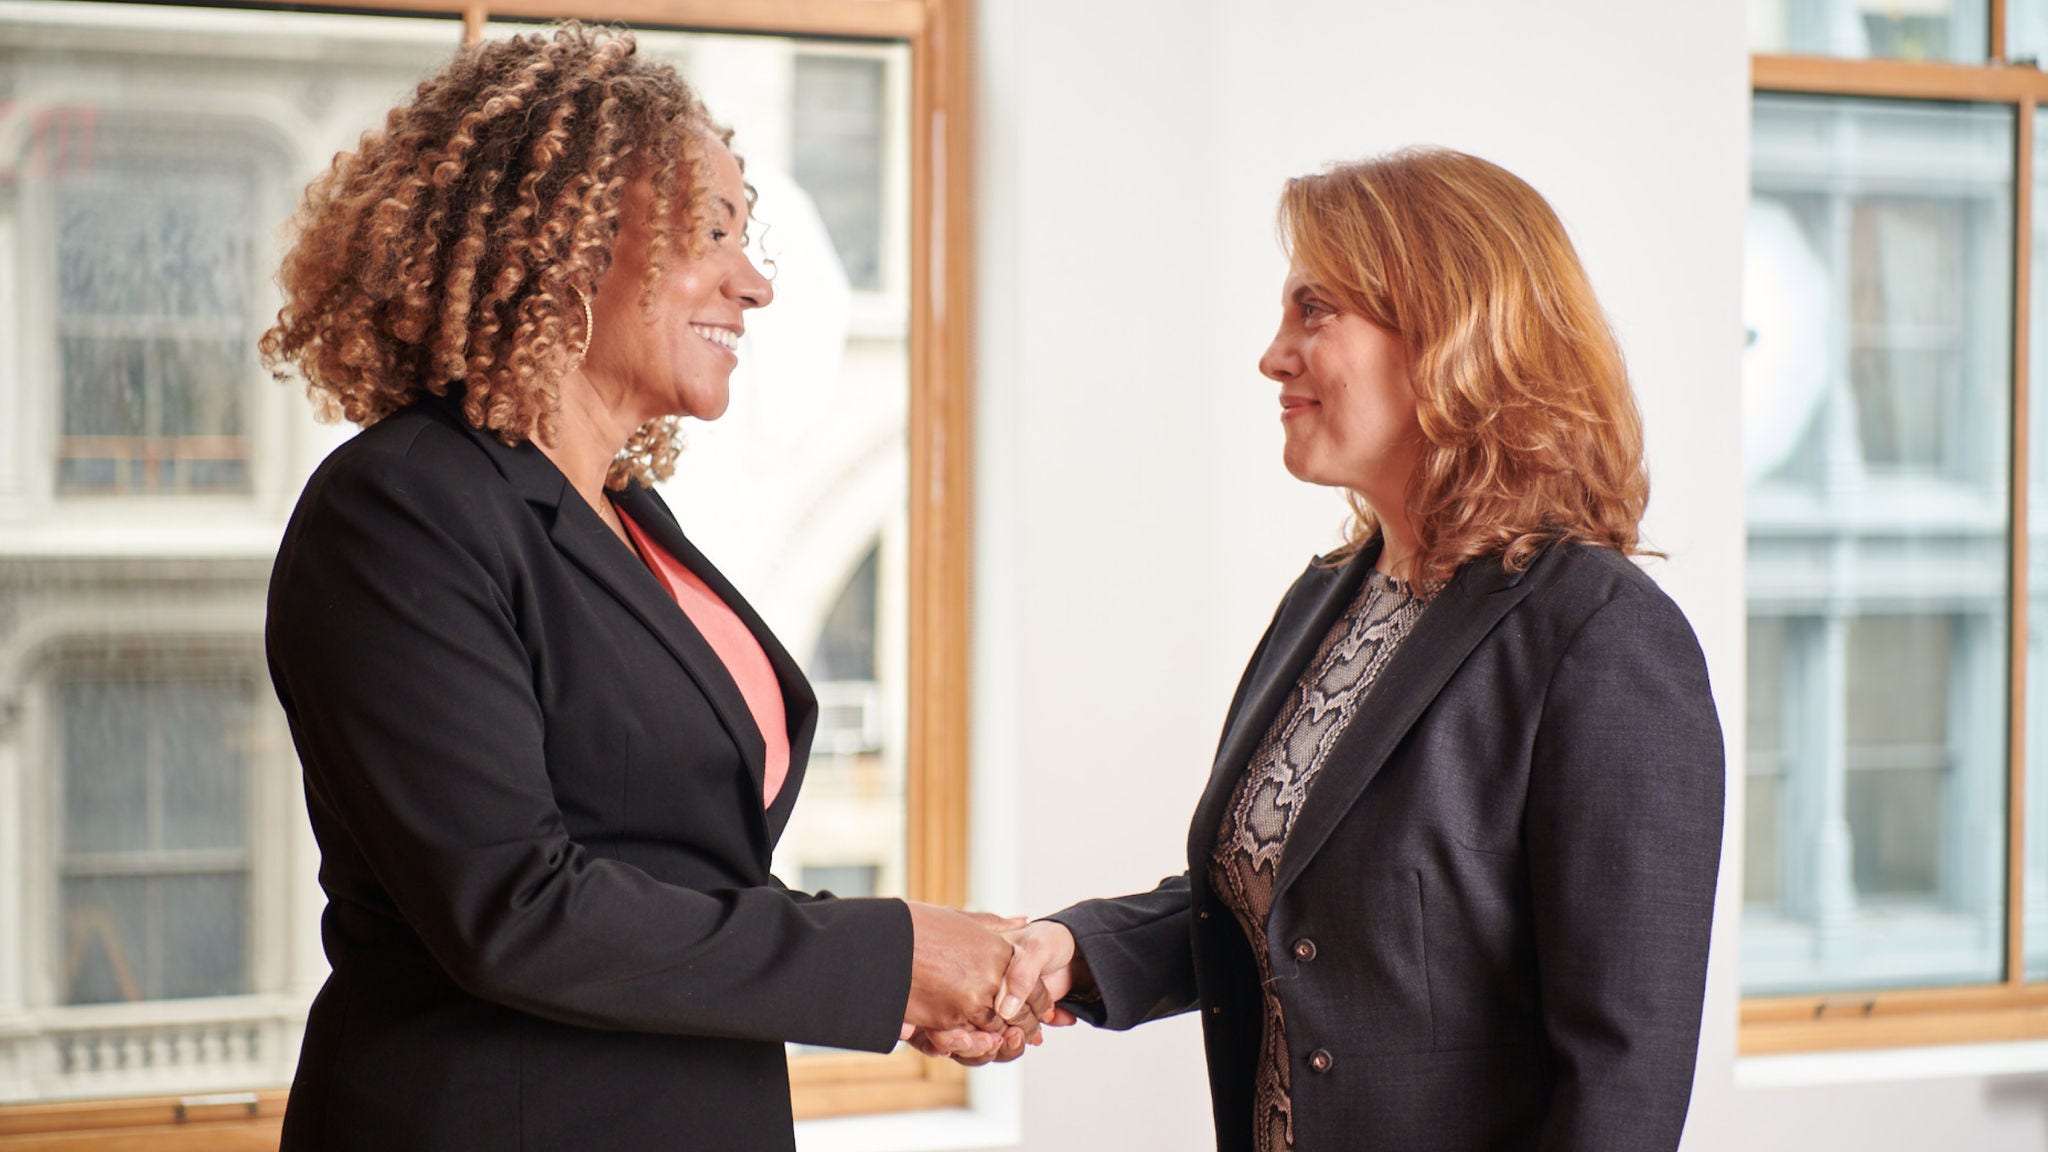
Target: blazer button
(1304,950)
(1203,915)
(1320,1060)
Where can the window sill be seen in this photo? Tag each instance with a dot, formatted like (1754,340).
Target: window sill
(988,1124)
(1817,1069)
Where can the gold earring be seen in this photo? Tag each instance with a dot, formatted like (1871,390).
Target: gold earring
(589,328)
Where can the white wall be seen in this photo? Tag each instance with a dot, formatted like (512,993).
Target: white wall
(1135,525)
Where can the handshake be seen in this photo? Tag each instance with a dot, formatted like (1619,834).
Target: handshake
(982,986)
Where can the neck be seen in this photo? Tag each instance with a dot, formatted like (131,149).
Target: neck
(1398,546)
(590,430)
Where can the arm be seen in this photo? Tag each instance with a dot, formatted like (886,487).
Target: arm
(394,647)
(1624,834)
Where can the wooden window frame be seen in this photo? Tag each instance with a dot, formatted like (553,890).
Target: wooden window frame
(940,445)
(2013,1008)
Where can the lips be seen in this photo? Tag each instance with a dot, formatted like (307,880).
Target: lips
(1296,405)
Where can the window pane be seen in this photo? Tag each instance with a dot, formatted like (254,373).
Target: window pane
(2035,938)
(155,258)
(130,939)
(801,492)
(837,126)
(151,159)
(1876,400)
(1763,796)
(1892,29)
(203,733)
(2026,30)
(105,766)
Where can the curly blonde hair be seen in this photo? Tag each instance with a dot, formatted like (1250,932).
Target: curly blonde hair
(445,253)
(1531,429)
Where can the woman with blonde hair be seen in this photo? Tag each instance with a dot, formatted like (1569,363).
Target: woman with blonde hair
(1451,882)
(548,748)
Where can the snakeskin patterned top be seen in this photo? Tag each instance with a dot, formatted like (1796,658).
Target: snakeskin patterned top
(1269,797)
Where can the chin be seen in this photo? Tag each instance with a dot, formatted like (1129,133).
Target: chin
(1303,467)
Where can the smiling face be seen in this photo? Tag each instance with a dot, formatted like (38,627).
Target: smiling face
(679,360)
(1347,399)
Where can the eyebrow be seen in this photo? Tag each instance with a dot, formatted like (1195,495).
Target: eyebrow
(731,213)
(1303,291)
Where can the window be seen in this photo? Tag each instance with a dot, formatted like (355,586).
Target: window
(839,121)
(165,927)
(155,268)
(1893,826)
(153,862)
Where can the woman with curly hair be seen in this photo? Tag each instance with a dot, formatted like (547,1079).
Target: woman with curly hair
(1451,882)
(547,748)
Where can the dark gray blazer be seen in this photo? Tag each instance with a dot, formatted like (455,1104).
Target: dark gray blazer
(538,797)
(1490,924)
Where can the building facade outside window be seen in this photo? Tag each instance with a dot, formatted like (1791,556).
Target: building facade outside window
(1893,448)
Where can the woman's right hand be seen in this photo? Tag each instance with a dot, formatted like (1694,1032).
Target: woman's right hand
(957,969)
(1044,968)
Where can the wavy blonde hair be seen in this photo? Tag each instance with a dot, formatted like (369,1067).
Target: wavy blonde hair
(446,252)
(1531,428)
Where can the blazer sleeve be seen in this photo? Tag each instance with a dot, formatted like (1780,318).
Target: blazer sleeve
(1140,952)
(394,648)
(1140,948)
(1623,828)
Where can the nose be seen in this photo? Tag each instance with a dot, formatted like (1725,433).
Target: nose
(1279,362)
(749,287)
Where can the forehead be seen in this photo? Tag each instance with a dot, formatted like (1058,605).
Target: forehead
(1298,283)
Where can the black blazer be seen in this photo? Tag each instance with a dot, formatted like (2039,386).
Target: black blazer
(537,794)
(1489,927)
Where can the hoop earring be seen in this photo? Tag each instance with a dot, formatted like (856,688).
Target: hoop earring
(589,327)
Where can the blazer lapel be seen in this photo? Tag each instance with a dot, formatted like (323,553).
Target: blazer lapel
(1312,608)
(586,540)
(1475,600)
(799,701)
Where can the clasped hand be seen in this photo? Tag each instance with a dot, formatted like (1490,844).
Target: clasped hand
(982,986)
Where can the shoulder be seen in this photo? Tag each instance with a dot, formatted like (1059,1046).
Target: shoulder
(417,458)
(1583,596)
(1583,579)
(412,482)
(1603,611)
(416,443)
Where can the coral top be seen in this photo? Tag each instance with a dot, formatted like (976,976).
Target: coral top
(736,647)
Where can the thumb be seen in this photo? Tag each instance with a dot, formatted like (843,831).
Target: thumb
(1027,966)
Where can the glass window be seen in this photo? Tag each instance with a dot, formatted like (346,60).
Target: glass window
(1876,401)
(838,125)
(801,493)
(2035,911)
(154,862)
(163,933)
(1957,30)
(155,262)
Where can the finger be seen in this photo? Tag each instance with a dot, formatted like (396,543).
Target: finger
(909,1030)
(1060,1018)
(1040,1001)
(978,1046)
(1014,1044)
(968,1042)
(923,1042)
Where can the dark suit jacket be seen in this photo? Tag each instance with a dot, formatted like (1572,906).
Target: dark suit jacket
(537,794)
(1489,926)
